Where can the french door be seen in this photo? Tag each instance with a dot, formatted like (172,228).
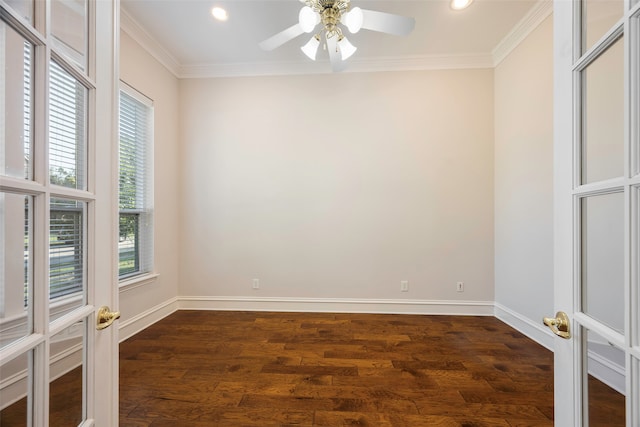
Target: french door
(57,127)
(597,212)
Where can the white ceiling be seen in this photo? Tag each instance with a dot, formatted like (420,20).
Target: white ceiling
(187,39)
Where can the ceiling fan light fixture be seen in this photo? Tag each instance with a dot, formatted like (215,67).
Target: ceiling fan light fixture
(333,18)
(311,48)
(460,4)
(308,19)
(353,20)
(346,48)
(219,13)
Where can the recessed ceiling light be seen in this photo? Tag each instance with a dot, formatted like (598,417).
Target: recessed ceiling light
(219,13)
(460,4)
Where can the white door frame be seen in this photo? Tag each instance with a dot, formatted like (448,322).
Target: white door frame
(563,207)
(104,392)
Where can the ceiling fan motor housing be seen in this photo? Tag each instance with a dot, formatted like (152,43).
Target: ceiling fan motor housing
(330,12)
(330,18)
(331,4)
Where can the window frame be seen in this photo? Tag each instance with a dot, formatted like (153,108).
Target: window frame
(144,236)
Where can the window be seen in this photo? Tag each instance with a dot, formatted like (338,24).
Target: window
(135,243)
(67,125)
(66,247)
(67,111)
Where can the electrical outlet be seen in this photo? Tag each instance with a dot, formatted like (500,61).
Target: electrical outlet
(460,287)
(404,286)
(256,284)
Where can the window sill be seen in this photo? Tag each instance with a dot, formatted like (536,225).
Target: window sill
(131,283)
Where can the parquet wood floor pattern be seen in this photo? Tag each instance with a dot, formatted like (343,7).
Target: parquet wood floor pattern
(203,368)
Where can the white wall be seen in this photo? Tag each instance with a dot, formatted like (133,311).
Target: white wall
(338,186)
(142,72)
(524,180)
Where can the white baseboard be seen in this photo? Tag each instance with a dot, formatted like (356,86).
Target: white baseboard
(331,305)
(526,326)
(14,387)
(603,366)
(132,326)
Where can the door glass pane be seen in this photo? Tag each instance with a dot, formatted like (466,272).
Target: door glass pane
(16,230)
(15,380)
(66,256)
(67,129)
(16,82)
(69,26)
(603,259)
(24,8)
(604,377)
(66,369)
(598,17)
(603,116)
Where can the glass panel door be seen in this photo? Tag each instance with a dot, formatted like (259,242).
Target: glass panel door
(57,213)
(597,211)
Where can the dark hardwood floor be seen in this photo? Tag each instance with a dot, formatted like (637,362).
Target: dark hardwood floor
(203,368)
(198,368)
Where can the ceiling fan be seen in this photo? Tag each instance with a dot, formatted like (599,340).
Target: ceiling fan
(333,14)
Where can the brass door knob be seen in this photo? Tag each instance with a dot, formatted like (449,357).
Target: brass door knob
(106,317)
(559,325)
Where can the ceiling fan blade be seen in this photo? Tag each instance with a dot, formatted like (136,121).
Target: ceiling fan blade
(337,64)
(282,37)
(387,22)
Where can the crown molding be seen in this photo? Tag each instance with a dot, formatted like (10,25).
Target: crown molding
(521,30)
(356,65)
(130,26)
(421,62)
(251,69)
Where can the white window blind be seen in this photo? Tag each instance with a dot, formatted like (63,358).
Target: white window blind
(27,73)
(67,148)
(67,126)
(66,247)
(135,246)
